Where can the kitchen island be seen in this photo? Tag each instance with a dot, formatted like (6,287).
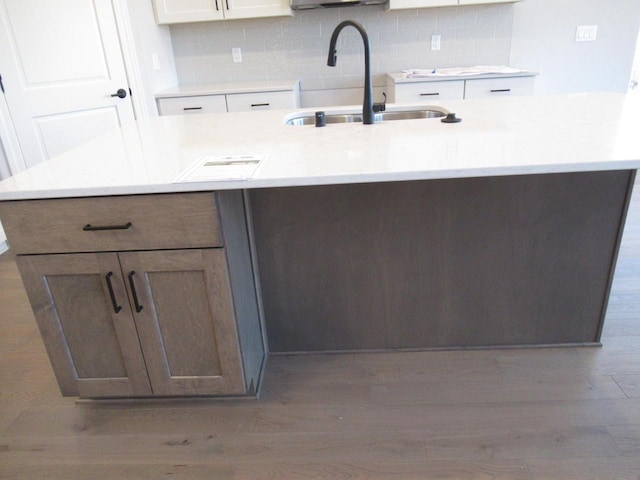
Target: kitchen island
(501,230)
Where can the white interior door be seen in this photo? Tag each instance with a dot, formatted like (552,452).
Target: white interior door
(61,63)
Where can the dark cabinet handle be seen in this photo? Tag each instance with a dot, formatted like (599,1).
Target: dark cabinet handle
(90,228)
(217,6)
(501,90)
(259,105)
(227,2)
(114,302)
(133,292)
(192,108)
(434,94)
(121,93)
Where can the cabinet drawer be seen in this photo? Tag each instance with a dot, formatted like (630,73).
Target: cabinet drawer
(189,105)
(498,87)
(93,224)
(247,102)
(424,92)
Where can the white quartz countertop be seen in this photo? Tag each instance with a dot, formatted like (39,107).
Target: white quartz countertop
(500,136)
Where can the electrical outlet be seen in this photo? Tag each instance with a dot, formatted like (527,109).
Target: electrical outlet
(435,42)
(236,53)
(586,33)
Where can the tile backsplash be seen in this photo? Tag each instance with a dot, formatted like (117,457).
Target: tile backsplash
(296,47)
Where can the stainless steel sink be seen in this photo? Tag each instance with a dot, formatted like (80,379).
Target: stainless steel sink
(409,114)
(309,118)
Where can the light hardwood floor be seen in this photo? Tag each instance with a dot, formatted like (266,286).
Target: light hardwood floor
(532,414)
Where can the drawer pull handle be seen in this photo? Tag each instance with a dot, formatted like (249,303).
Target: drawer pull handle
(435,94)
(90,228)
(191,108)
(259,104)
(114,302)
(501,90)
(217,9)
(134,293)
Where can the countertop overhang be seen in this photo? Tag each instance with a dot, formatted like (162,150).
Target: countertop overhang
(506,136)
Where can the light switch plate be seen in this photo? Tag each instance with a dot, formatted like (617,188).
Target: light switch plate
(435,42)
(236,53)
(586,33)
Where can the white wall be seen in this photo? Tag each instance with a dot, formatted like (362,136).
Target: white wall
(150,39)
(538,34)
(544,40)
(4,163)
(296,47)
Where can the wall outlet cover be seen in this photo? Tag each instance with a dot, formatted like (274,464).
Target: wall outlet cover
(586,33)
(435,42)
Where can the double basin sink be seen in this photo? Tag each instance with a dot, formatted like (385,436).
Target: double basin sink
(308,118)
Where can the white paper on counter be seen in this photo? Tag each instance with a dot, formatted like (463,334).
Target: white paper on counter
(232,167)
(460,71)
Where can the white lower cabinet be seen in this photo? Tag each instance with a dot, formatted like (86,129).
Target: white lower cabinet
(195,104)
(248,102)
(215,99)
(499,87)
(420,92)
(425,90)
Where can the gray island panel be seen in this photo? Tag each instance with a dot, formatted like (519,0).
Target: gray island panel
(514,260)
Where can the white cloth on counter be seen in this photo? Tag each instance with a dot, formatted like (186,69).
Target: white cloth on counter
(460,71)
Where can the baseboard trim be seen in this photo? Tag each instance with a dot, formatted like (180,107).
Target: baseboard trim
(439,349)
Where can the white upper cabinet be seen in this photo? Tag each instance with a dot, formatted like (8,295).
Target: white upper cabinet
(478,2)
(401,4)
(184,11)
(256,8)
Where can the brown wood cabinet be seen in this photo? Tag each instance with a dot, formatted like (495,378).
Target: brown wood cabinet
(133,323)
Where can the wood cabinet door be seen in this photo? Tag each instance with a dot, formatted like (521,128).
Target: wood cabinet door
(184,314)
(81,306)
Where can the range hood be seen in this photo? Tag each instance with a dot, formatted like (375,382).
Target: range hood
(310,4)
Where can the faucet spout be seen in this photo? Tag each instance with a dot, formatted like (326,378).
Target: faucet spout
(367,104)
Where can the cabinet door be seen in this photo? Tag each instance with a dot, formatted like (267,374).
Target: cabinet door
(186,324)
(181,11)
(249,102)
(400,4)
(256,8)
(425,92)
(498,87)
(91,339)
(192,104)
(477,2)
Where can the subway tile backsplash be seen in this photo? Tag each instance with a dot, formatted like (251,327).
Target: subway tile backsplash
(297,47)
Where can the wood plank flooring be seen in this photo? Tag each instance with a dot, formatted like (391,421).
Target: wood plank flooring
(530,414)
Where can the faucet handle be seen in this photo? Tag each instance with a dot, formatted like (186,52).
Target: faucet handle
(380,107)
